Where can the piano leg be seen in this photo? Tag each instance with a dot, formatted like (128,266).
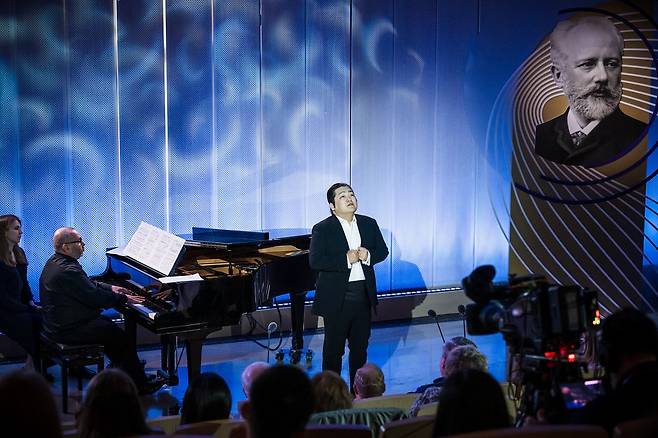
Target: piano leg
(130,327)
(193,346)
(297,319)
(164,353)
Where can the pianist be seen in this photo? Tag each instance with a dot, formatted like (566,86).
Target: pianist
(72,305)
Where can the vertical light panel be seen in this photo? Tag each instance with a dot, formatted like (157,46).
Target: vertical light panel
(414,94)
(165,105)
(372,124)
(41,74)
(92,125)
(10,165)
(142,129)
(284,112)
(454,173)
(190,113)
(237,109)
(118,217)
(327,103)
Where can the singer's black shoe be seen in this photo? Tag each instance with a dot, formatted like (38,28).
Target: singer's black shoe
(151,385)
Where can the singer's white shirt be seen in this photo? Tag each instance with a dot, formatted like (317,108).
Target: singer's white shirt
(351,230)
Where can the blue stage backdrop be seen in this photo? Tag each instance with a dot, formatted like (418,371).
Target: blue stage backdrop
(240,113)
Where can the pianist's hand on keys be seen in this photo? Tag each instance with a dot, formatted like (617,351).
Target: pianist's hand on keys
(135,299)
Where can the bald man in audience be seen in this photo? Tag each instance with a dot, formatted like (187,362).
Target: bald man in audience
(369,382)
(251,373)
(72,305)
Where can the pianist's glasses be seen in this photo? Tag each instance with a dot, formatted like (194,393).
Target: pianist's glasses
(76,241)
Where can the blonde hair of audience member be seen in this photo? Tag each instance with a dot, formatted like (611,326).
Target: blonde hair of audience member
(27,406)
(250,373)
(369,382)
(111,408)
(451,344)
(464,357)
(330,392)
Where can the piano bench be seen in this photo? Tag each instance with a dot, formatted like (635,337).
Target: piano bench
(69,357)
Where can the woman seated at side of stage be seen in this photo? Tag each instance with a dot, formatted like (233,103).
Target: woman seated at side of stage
(19,316)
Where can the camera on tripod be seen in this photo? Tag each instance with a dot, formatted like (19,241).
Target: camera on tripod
(543,326)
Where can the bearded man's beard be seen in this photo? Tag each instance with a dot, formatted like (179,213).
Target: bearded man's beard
(595,102)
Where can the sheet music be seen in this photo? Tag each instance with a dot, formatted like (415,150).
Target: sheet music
(180,279)
(154,248)
(117,251)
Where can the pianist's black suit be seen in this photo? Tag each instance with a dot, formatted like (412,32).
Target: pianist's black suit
(344,320)
(72,305)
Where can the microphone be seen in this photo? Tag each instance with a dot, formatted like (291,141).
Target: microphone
(462,311)
(432,313)
(271,327)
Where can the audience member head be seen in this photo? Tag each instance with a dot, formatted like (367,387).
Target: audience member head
(465,357)
(470,400)
(628,338)
(27,406)
(11,230)
(369,381)
(330,392)
(207,398)
(111,407)
(450,345)
(280,403)
(250,374)
(68,241)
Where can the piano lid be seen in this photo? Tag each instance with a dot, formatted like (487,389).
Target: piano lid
(236,240)
(228,236)
(232,248)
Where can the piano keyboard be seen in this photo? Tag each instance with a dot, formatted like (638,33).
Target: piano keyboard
(144,310)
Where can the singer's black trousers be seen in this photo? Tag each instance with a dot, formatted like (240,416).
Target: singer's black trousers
(351,324)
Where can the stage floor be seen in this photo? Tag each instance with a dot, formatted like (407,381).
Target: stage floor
(407,353)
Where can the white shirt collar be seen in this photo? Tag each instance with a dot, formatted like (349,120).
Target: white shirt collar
(345,221)
(574,126)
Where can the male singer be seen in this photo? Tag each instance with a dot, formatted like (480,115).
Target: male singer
(344,249)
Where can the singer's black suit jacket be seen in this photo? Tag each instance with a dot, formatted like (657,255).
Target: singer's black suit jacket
(328,258)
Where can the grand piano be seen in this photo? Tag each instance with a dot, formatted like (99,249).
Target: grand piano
(241,271)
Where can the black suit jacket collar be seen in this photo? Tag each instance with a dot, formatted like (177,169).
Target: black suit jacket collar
(595,139)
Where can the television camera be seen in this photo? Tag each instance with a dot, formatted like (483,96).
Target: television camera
(544,326)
